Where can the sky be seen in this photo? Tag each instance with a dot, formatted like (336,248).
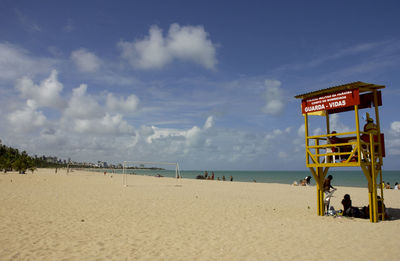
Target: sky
(207,84)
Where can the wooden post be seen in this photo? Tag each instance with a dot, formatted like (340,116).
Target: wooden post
(320,190)
(373,177)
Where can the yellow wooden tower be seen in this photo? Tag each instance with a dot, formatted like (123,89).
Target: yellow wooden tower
(362,148)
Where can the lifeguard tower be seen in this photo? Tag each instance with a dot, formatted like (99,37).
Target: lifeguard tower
(362,148)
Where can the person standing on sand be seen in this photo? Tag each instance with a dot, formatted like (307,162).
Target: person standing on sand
(231,178)
(327,184)
(327,191)
(212,175)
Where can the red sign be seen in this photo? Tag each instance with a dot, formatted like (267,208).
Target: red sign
(331,101)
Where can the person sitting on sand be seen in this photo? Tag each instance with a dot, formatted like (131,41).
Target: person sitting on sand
(308,179)
(348,209)
(396,186)
(346,202)
(305,181)
(387,186)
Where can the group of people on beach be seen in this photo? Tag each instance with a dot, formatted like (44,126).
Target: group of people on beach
(348,209)
(303,182)
(388,186)
(212,176)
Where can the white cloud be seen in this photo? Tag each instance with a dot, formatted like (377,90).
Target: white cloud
(47,94)
(16,62)
(92,127)
(148,53)
(273,135)
(109,125)
(395,127)
(83,106)
(188,43)
(28,118)
(299,140)
(86,115)
(283,155)
(317,131)
(85,61)
(192,138)
(130,104)
(392,139)
(337,125)
(301,131)
(274,98)
(209,123)
(27,23)
(191,43)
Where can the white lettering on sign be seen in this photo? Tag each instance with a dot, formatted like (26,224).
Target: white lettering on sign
(314,108)
(331,101)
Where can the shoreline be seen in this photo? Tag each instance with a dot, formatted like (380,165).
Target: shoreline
(341,178)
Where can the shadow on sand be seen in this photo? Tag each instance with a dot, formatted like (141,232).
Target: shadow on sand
(394,213)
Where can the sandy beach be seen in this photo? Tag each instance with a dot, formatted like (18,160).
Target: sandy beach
(91,216)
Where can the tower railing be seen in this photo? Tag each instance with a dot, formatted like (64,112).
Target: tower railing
(342,153)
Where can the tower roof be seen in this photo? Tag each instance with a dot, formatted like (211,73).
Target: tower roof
(362,86)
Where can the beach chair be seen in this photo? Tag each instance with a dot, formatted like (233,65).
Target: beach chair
(333,150)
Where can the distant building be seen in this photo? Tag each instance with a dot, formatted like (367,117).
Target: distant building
(102,164)
(51,159)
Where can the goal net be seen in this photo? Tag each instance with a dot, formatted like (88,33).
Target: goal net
(158,169)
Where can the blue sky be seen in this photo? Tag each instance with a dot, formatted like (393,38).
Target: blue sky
(209,84)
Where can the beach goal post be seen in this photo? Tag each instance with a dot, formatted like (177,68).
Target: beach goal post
(129,166)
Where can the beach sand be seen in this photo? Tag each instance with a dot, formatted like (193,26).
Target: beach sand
(91,216)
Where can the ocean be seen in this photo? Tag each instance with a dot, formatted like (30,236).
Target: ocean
(340,178)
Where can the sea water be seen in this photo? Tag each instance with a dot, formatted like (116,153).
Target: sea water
(340,178)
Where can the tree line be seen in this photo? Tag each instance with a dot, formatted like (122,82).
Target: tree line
(12,159)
